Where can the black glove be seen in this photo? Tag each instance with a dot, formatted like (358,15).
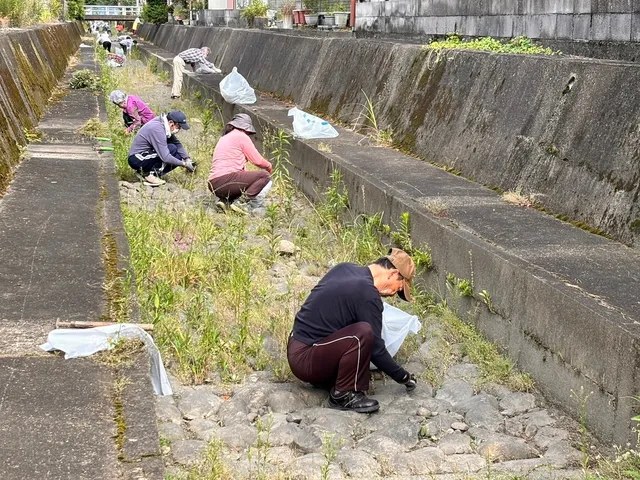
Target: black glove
(409,381)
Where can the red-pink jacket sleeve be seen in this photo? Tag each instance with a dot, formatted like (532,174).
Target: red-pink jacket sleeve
(251,152)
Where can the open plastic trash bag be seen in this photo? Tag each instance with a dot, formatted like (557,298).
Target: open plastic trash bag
(85,342)
(235,89)
(309,126)
(396,326)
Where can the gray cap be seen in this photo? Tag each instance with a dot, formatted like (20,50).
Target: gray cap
(243,122)
(117,97)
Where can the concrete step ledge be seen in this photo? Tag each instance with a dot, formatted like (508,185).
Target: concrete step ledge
(564,301)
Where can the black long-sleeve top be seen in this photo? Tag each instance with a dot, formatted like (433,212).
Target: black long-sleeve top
(344,296)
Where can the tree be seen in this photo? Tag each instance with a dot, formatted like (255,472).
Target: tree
(155,11)
(75,9)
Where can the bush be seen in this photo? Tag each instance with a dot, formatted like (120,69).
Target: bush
(84,79)
(75,9)
(257,8)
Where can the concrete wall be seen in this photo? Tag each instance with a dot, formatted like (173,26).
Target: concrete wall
(616,20)
(565,130)
(31,62)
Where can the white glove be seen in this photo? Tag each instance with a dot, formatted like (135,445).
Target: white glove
(189,165)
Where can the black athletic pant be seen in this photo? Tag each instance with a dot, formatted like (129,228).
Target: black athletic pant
(341,359)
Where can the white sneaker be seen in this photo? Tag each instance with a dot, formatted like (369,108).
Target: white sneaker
(153,181)
(240,207)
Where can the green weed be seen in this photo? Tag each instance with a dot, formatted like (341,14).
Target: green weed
(519,45)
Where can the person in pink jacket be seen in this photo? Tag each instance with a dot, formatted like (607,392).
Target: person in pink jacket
(229,180)
(134,111)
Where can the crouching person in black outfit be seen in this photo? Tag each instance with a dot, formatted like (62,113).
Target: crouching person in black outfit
(337,332)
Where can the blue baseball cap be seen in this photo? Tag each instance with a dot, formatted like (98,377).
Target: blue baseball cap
(178,117)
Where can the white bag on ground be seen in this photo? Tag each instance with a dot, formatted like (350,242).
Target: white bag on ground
(235,89)
(84,342)
(309,126)
(396,325)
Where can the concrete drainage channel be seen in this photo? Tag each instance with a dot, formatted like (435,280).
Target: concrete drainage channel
(81,418)
(559,300)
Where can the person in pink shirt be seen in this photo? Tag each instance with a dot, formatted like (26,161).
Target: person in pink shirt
(229,180)
(134,111)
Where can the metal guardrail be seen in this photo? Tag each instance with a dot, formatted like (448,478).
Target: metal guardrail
(111,11)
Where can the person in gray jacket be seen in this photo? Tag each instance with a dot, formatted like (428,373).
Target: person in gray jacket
(156,150)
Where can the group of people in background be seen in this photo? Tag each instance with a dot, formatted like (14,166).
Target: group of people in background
(102,30)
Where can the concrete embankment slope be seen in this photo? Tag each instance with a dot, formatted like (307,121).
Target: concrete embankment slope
(562,129)
(561,301)
(31,62)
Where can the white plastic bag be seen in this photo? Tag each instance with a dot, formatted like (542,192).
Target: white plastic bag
(309,126)
(205,69)
(396,325)
(235,89)
(84,342)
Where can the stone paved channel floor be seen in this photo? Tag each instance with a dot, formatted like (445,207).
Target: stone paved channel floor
(270,429)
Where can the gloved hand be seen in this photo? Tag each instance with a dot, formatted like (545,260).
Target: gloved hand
(189,165)
(410,382)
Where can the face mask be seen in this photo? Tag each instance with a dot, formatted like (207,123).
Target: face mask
(174,130)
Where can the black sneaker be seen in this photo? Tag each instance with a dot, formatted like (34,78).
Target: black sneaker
(353,400)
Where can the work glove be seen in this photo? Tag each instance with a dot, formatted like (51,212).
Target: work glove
(190,165)
(410,382)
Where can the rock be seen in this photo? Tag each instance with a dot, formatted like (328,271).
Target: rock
(282,401)
(285,435)
(484,415)
(498,391)
(465,463)
(513,427)
(285,247)
(463,427)
(233,412)
(455,443)
(278,270)
(437,425)
(271,420)
(188,452)
(423,412)
(562,455)
(423,461)
(455,391)
(340,425)
(464,371)
(429,352)
(295,417)
(547,436)
(358,464)
(280,286)
(475,402)
(172,432)
(166,411)
(516,403)
(376,444)
(199,403)
(309,467)
(401,429)
(523,468)
(281,455)
(307,441)
(237,437)
(539,418)
(272,347)
(500,447)
(203,429)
